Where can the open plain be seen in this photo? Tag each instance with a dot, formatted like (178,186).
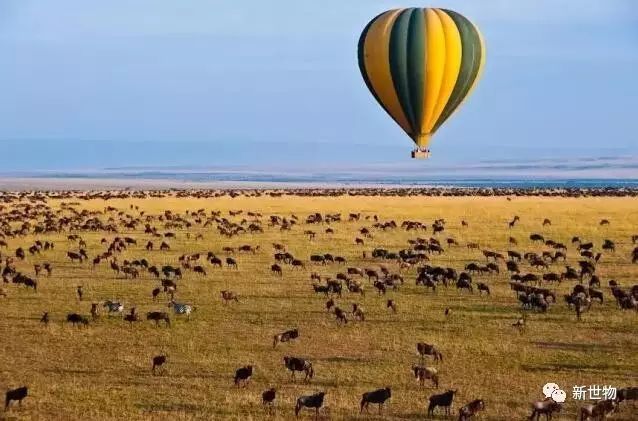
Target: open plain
(103,370)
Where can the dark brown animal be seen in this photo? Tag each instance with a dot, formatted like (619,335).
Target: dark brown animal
(158,361)
(310,401)
(15,395)
(471,409)
(444,400)
(243,375)
(379,396)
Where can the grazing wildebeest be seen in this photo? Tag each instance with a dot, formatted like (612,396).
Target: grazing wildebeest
(299,364)
(158,361)
(228,296)
(421,374)
(546,407)
(243,375)
(380,286)
(73,256)
(298,264)
(537,238)
(132,317)
(268,397)
(15,395)
(482,287)
(200,270)
(358,313)
(330,304)
(464,284)
(424,349)
(471,409)
(231,263)
(45,318)
(158,316)
(340,315)
(310,401)
(317,258)
(442,399)
(286,336)
(275,268)
(77,319)
(598,411)
(378,396)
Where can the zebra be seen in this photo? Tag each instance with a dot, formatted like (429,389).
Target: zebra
(181,308)
(114,306)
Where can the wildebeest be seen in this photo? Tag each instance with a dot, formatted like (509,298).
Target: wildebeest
(464,284)
(286,336)
(443,399)
(15,395)
(295,364)
(468,411)
(421,374)
(231,263)
(310,401)
(158,316)
(340,315)
(132,317)
(537,238)
(268,397)
(598,411)
(482,287)
(380,286)
(424,349)
(77,319)
(228,296)
(243,375)
(157,362)
(357,312)
(378,396)
(546,407)
(275,268)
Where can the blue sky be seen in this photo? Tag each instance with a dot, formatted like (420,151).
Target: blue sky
(87,84)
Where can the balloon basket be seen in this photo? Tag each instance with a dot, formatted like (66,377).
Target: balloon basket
(420,154)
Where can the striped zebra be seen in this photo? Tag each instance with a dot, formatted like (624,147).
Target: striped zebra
(181,308)
(113,306)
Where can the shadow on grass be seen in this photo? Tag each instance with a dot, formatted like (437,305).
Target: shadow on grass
(72,371)
(338,359)
(602,367)
(173,407)
(584,347)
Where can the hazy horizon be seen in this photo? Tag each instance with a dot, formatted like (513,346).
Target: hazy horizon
(192,83)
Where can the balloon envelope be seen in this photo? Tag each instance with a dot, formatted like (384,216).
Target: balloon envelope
(420,64)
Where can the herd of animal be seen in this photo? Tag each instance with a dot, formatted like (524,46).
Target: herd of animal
(533,273)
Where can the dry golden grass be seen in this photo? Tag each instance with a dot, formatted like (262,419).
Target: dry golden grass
(103,372)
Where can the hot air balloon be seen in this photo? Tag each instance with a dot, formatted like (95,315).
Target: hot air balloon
(420,64)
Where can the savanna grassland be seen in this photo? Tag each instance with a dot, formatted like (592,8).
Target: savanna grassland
(104,371)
